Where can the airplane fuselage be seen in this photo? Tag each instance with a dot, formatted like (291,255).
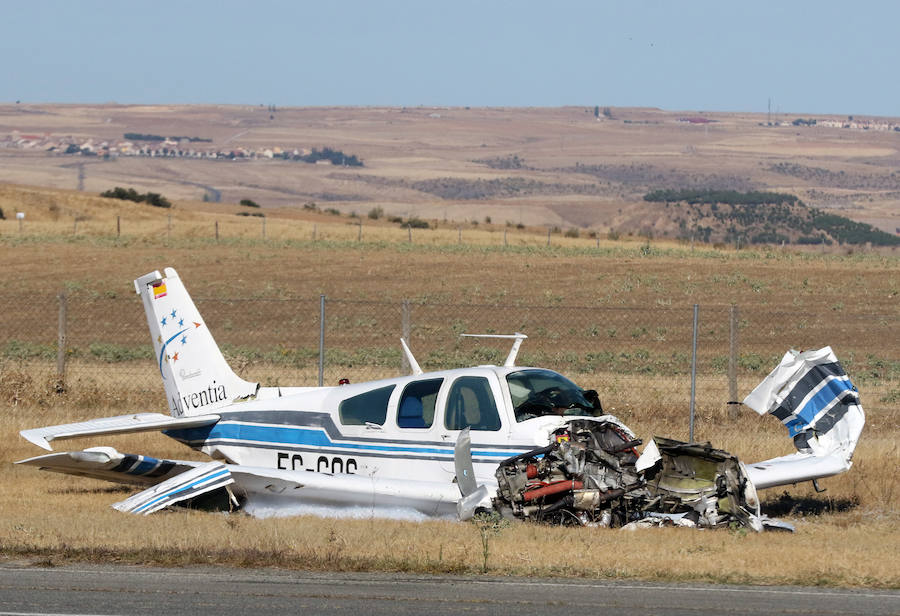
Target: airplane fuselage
(391,429)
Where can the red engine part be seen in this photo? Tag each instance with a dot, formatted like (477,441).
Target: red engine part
(553,488)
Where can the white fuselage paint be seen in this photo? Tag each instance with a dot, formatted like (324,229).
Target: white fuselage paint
(302,432)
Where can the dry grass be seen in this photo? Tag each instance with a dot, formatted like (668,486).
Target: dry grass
(847,536)
(57,520)
(850,538)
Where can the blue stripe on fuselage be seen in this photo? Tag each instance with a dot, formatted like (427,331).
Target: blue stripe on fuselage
(311,437)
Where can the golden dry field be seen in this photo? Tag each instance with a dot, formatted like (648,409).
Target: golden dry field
(847,536)
(559,167)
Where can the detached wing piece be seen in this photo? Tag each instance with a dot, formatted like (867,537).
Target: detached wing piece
(173,481)
(109,465)
(190,484)
(138,422)
(812,395)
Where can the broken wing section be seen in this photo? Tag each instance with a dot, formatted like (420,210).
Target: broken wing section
(188,485)
(267,489)
(109,465)
(810,393)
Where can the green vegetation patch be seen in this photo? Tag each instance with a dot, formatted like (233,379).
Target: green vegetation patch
(731,197)
(130,194)
(762,218)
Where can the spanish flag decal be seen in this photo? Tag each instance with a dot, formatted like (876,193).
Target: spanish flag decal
(159,289)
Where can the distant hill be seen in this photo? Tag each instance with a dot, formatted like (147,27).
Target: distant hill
(580,169)
(760,218)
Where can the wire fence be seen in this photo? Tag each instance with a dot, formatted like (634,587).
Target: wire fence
(636,358)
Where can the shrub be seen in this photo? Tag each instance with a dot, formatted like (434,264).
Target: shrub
(157,200)
(249,203)
(130,194)
(376,212)
(417,223)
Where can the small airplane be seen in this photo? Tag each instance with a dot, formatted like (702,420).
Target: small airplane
(525,442)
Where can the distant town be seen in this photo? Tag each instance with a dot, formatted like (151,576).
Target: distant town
(157,146)
(170,147)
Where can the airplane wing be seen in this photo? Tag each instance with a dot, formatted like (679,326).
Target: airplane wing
(187,485)
(121,424)
(172,481)
(109,465)
(257,484)
(812,395)
(794,468)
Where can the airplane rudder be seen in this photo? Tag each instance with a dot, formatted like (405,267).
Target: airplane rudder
(196,377)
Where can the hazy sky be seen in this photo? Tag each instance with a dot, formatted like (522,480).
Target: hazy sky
(807,57)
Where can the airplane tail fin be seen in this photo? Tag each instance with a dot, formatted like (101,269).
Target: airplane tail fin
(810,393)
(196,376)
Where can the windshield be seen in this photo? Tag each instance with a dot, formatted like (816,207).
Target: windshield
(544,392)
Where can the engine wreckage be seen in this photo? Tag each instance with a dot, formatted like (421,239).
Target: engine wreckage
(591,475)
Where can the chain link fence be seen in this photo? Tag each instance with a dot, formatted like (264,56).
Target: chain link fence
(636,358)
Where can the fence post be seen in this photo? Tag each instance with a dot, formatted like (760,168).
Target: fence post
(264,228)
(61,344)
(459,235)
(693,374)
(359,232)
(548,236)
(118,226)
(405,328)
(321,340)
(315,228)
(733,402)
(217,230)
(504,237)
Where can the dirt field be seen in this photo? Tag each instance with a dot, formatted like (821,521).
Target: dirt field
(554,167)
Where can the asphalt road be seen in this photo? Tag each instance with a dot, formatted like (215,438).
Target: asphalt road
(127,590)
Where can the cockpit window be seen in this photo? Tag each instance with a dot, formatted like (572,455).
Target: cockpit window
(470,403)
(367,407)
(544,392)
(416,408)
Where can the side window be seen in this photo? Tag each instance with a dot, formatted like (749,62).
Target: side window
(471,403)
(416,408)
(368,407)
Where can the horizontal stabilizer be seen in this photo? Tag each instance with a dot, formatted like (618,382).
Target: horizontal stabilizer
(122,424)
(107,464)
(190,484)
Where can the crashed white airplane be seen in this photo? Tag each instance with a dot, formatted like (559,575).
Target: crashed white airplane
(526,442)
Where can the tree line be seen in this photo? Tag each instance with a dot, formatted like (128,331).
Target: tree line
(149,137)
(713,196)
